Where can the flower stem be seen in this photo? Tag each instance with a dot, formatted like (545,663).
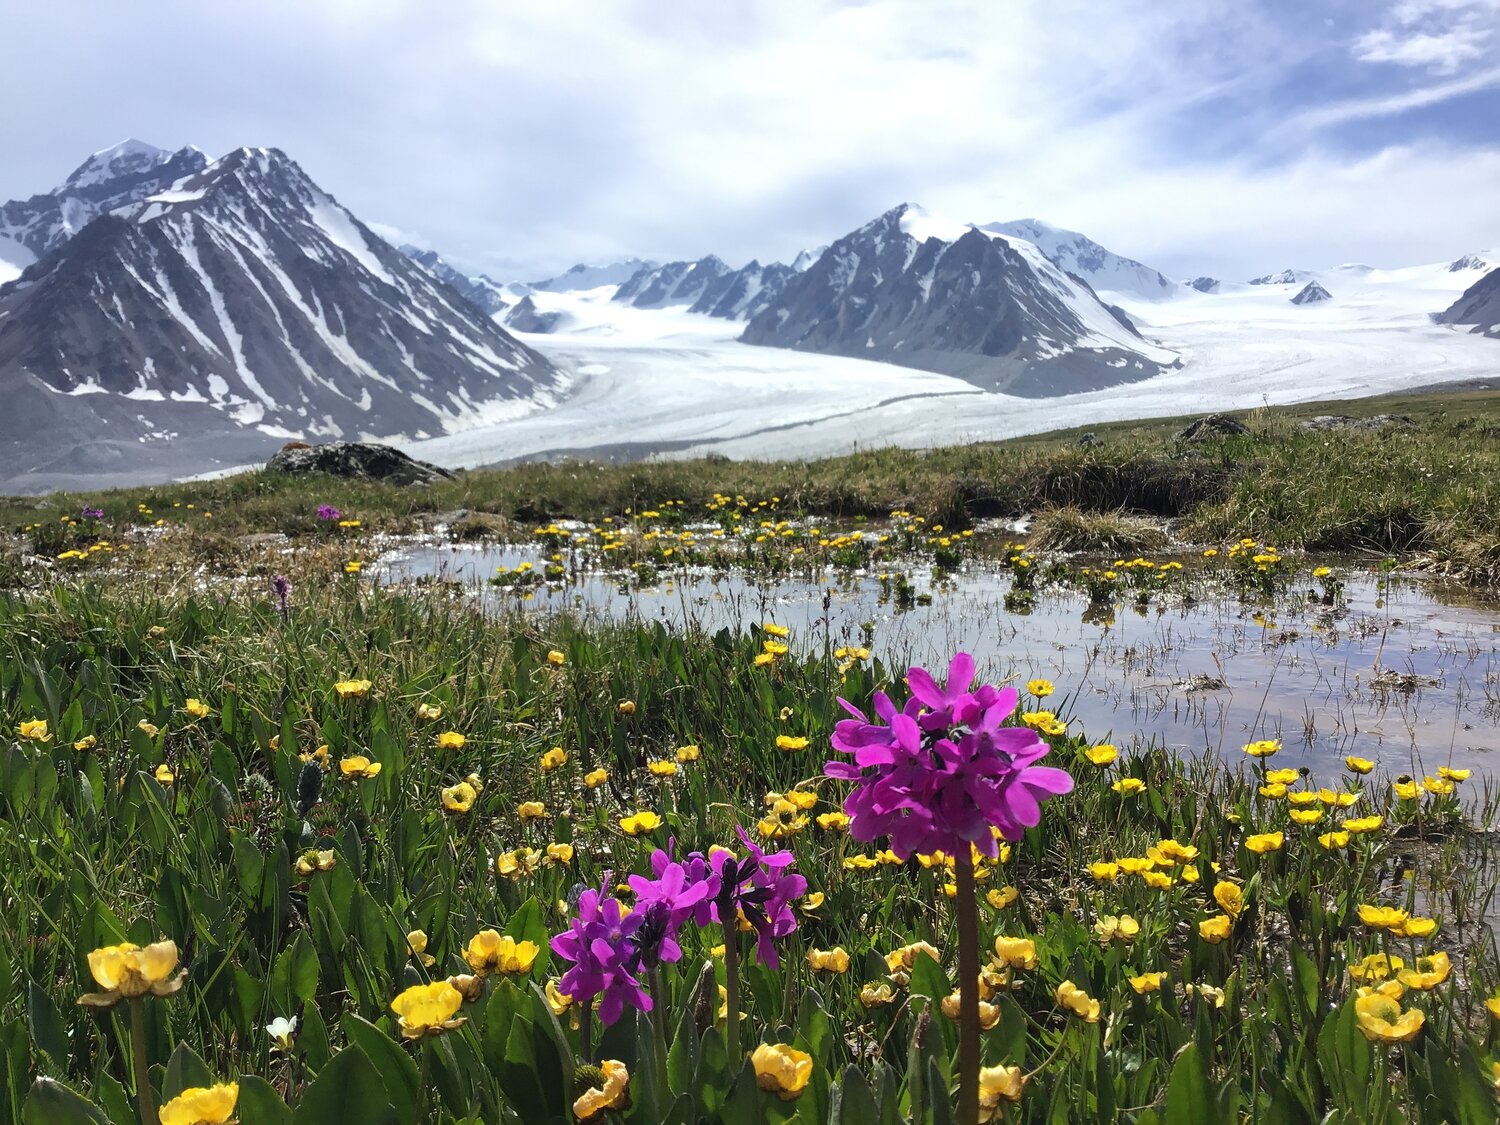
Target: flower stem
(424,1050)
(143,1095)
(659,1023)
(968,989)
(732,994)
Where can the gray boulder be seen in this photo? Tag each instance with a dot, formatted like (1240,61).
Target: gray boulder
(1345,422)
(1212,426)
(356,460)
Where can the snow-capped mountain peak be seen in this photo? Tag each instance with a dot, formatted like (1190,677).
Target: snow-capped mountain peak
(1104,270)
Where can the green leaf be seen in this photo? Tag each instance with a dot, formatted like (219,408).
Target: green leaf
(348,1091)
(185,1069)
(1187,1090)
(48,1030)
(859,1106)
(397,1070)
(1305,973)
(260,1104)
(51,1103)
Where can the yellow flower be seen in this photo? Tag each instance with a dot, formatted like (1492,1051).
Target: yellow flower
(812,902)
(1129,786)
(1077,1001)
(151,730)
(451,740)
(774,649)
(428,1009)
(835,960)
(1230,897)
(1429,971)
(1332,840)
(127,971)
(196,708)
(1101,755)
(314,860)
(1001,897)
(555,658)
(1177,852)
(517,864)
(781,1070)
(35,730)
(626,707)
(429,713)
(595,778)
(1382,917)
(662,767)
(459,798)
(905,957)
(1263,748)
(604,1088)
(640,823)
(1337,800)
(1214,996)
(1015,953)
(1265,842)
(1407,790)
(1216,929)
(1493,1004)
(790,742)
(357,765)
(1302,798)
(1376,967)
(1355,764)
(997,1084)
(1321,572)
(833,821)
(1274,792)
(1447,773)
(489,952)
(553,759)
(878,995)
(779,631)
(1381,1019)
(764,658)
(1417,928)
(1040,688)
(164,774)
(1157,880)
(1361,824)
(1306,816)
(989,1014)
(201,1105)
(1147,982)
(560,854)
(689,753)
(87,742)
(1110,928)
(531,810)
(352,689)
(1104,872)
(416,943)
(1281,777)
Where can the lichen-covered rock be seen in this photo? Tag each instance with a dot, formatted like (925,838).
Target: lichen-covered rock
(357,460)
(1213,425)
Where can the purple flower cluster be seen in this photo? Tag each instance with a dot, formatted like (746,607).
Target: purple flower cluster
(93,513)
(329,512)
(937,774)
(610,947)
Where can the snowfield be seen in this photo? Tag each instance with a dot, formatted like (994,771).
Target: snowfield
(672,383)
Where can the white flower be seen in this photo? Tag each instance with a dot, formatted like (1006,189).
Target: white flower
(281,1031)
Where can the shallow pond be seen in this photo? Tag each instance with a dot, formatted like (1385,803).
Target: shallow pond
(1400,671)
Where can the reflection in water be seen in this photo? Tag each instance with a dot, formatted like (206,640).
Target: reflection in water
(1393,673)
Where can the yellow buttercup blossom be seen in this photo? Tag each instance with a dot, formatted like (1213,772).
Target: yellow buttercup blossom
(1001,897)
(1265,842)
(833,821)
(640,823)
(560,854)
(779,631)
(781,1070)
(1122,928)
(35,730)
(1104,872)
(1101,755)
(490,952)
(352,689)
(517,864)
(877,995)
(1359,824)
(531,810)
(1015,952)
(451,740)
(1040,688)
(1274,791)
(196,708)
(1216,929)
(1381,1019)
(1263,748)
(164,774)
(87,742)
(1077,1001)
(1417,928)
(1147,982)
(127,971)
(662,767)
(1407,790)
(416,944)
(595,778)
(1129,786)
(1355,764)
(1332,840)
(1306,816)
(989,1014)
(1428,972)
(1382,917)
(835,960)
(201,1105)
(459,798)
(689,753)
(1230,897)
(553,759)
(357,765)
(555,658)
(1376,967)
(812,902)
(1281,776)
(315,860)
(150,730)
(790,742)
(626,707)
(428,1009)
(997,1084)
(604,1088)
(428,712)
(1448,773)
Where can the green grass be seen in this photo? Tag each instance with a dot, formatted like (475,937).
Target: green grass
(1430,490)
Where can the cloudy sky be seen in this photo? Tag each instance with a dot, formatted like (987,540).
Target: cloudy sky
(1200,136)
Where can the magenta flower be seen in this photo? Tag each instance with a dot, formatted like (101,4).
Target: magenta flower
(600,943)
(664,904)
(328,512)
(761,888)
(940,773)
